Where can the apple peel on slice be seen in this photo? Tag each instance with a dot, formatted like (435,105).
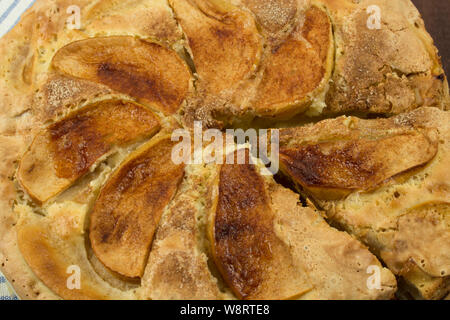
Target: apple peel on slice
(127,212)
(331,170)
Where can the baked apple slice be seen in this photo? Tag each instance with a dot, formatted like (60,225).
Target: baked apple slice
(178,267)
(127,212)
(397,197)
(149,72)
(223,39)
(253,261)
(332,170)
(298,68)
(67,149)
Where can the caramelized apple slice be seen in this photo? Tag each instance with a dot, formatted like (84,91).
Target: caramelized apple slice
(223,39)
(66,150)
(254,262)
(298,68)
(129,207)
(332,170)
(423,239)
(146,71)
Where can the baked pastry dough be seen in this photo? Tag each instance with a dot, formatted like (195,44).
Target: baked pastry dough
(386,182)
(87,183)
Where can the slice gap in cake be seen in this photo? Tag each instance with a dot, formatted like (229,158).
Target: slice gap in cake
(399,207)
(128,210)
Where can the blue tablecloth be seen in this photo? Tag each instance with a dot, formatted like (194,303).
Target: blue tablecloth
(6,292)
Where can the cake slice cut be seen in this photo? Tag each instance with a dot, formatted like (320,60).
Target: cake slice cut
(252,259)
(267,246)
(129,207)
(147,71)
(179,265)
(385,181)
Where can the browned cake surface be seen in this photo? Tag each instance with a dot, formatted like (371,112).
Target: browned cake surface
(87,178)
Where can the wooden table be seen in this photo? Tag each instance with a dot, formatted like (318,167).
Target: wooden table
(436,14)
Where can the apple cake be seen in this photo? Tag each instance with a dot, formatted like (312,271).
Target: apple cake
(89,188)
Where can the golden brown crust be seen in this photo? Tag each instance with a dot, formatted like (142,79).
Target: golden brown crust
(387,70)
(129,207)
(151,20)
